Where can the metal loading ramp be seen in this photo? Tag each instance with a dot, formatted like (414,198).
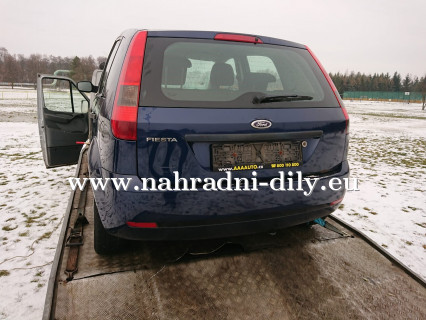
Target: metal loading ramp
(299,273)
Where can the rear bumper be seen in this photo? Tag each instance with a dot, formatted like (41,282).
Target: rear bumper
(222,230)
(201,214)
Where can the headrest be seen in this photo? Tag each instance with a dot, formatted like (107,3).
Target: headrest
(262,77)
(260,81)
(222,74)
(174,70)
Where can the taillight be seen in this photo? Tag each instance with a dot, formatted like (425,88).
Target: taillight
(336,202)
(333,87)
(142,224)
(125,111)
(237,38)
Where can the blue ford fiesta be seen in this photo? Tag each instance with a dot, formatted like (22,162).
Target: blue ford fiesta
(197,106)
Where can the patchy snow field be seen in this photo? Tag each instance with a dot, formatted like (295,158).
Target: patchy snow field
(7,93)
(32,204)
(387,154)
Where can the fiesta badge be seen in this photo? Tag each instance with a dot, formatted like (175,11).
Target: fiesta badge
(261,124)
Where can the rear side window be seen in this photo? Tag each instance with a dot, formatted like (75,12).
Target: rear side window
(221,74)
(108,65)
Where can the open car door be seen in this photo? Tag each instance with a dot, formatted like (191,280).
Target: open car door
(62,112)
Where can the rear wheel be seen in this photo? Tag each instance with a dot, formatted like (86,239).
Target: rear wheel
(104,243)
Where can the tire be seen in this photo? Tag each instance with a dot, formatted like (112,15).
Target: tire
(104,243)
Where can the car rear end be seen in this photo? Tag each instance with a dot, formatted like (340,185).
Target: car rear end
(210,103)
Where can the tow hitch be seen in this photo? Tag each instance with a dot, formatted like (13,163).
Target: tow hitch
(331,227)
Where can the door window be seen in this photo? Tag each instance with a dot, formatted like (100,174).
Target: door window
(61,95)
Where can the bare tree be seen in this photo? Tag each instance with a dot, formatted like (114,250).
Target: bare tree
(18,68)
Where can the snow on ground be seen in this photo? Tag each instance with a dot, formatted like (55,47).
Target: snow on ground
(32,204)
(387,155)
(17,93)
(18,105)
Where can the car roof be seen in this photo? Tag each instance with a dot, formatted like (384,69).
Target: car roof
(211,34)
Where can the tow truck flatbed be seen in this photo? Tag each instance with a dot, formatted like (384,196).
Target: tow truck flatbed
(298,273)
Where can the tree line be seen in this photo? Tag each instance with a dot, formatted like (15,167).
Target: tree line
(17,68)
(378,82)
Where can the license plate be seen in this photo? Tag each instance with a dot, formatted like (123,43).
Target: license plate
(258,155)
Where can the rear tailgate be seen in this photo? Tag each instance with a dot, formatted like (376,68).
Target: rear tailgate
(200,97)
(179,139)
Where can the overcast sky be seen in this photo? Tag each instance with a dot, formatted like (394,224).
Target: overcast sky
(367,36)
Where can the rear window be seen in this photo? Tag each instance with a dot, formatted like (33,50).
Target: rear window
(221,74)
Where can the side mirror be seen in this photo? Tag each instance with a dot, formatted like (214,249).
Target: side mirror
(86,86)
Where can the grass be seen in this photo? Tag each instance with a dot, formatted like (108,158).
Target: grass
(400,152)
(9,228)
(391,115)
(28,156)
(45,235)
(4,273)
(370,211)
(29,220)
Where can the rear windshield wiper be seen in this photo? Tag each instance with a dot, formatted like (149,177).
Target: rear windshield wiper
(268,99)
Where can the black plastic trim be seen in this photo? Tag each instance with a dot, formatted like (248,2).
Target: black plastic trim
(242,137)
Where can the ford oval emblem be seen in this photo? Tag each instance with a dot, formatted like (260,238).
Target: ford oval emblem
(261,124)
